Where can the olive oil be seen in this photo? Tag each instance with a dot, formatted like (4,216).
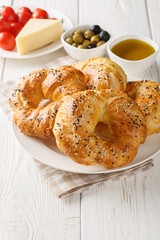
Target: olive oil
(133,49)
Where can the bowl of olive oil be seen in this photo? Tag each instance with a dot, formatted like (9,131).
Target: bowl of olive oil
(133,53)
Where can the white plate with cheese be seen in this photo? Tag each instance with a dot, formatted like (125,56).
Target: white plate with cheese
(67,24)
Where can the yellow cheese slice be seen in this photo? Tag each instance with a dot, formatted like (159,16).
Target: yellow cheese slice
(37,33)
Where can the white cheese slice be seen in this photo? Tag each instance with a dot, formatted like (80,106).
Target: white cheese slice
(37,33)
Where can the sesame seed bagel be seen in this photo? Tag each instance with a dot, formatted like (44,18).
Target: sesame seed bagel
(53,84)
(78,116)
(147,95)
(102,73)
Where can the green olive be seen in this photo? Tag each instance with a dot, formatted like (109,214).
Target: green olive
(77,38)
(86,43)
(82,46)
(95,38)
(75,44)
(100,43)
(88,34)
(69,40)
(78,32)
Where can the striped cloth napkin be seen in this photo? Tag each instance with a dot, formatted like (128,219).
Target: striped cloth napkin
(66,183)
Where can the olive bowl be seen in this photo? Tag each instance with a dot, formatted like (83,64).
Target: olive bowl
(81,54)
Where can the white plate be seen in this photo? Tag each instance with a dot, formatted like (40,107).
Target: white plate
(47,152)
(67,24)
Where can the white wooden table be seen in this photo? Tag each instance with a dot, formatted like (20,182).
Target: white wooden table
(126,209)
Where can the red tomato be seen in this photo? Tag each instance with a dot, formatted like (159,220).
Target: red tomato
(4,24)
(16,18)
(23,18)
(8,13)
(24,9)
(39,13)
(15,28)
(7,41)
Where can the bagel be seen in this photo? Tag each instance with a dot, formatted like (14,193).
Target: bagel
(78,116)
(147,95)
(102,73)
(54,84)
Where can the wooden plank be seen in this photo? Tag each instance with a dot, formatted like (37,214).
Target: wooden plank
(5,3)
(126,209)
(117,17)
(71,11)
(29,209)
(153,14)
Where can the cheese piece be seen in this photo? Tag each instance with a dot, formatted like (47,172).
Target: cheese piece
(37,33)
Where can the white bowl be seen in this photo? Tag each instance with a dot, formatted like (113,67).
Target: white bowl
(82,54)
(133,67)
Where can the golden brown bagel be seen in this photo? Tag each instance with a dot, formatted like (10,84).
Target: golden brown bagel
(78,116)
(32,119)
(103,73)
(147,95)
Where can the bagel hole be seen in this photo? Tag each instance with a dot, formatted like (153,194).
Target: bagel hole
(98,131)
(45,102)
